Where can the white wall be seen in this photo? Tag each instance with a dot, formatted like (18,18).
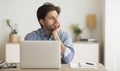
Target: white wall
(23,13)
(112,35)
(0,24)
(3,34)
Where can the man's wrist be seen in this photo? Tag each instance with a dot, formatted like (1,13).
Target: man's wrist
(62,49)
(56,37)
(54,33)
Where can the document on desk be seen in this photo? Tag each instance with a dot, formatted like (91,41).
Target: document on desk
(83,65)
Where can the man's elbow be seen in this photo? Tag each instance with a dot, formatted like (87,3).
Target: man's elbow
(67,61)
(68,58)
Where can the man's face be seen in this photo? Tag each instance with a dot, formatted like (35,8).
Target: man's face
(51,21)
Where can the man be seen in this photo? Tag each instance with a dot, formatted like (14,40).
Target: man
(50,29)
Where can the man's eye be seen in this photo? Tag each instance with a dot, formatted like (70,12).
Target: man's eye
(51,18)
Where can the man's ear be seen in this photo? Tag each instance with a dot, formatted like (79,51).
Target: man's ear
(41,21)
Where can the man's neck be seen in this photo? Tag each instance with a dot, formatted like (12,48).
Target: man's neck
(47,31)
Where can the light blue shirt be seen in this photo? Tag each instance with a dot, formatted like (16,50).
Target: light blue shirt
(64,37)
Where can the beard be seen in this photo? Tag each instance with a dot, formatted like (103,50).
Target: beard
(52,27)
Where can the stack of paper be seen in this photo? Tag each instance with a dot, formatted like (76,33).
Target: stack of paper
(83,65)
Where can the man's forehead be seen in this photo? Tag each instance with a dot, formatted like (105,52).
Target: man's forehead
(52,13)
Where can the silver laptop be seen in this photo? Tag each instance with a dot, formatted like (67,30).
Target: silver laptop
(40,54)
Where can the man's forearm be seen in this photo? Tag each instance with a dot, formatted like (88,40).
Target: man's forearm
(56,37)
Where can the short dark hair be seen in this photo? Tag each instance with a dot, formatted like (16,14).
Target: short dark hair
(44,9)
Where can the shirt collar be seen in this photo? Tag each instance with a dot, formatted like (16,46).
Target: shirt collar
(43,33)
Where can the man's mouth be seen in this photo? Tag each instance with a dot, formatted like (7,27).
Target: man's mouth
(57,24)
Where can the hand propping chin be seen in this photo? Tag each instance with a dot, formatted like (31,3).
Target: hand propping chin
(57,30)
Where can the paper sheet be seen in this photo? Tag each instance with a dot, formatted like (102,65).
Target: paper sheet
(83,65)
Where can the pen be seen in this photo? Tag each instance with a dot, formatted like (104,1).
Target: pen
(89,63)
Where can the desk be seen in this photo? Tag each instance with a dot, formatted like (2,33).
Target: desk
(65,67)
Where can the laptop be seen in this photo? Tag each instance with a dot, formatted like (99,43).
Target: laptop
(40,54)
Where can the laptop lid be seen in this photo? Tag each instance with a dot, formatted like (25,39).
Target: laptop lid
(40,54)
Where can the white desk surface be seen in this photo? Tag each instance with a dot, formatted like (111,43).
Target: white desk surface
(65,67)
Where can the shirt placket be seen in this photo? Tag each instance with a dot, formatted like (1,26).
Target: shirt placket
(50,37)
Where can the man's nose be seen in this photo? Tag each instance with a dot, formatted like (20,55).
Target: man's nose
(56,20)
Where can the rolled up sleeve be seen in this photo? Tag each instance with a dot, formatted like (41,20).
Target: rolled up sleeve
(69,51)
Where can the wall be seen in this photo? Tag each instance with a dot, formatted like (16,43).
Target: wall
(23,13)
(112,35)
(3,34)
(0,24)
